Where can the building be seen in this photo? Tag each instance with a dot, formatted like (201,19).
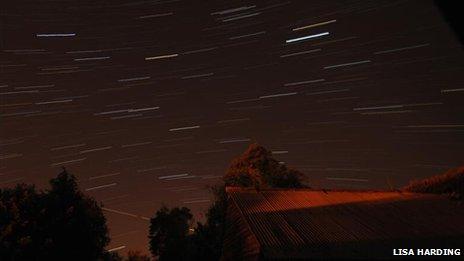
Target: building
(303,223)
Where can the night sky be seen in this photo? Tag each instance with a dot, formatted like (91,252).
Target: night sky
(146,102)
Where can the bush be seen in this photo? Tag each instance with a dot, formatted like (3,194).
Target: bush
(451,183)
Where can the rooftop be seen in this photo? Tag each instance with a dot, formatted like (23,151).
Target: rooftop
(308,223)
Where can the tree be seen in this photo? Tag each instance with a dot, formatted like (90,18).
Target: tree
(257,168)
(20,223)
(59,224)
(206,242)
(76,224)
(136,256)
(111,256)
(450,183)
(169,233)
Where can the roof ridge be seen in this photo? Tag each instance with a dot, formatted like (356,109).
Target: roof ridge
(235,188)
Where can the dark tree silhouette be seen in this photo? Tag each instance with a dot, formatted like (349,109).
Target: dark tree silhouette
(76,224)
(170,238)
(59,224)
(206,242)
(168,234)
(111,256)
(257,168)
(21,229)
(450,183)
(136,256)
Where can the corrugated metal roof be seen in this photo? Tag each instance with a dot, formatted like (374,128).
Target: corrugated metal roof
(289,220)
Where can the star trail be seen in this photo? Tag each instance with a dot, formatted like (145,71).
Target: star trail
(146,102)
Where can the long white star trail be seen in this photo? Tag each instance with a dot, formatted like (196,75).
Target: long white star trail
(303,38)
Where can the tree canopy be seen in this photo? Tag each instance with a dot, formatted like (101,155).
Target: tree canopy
(207,239)
(21,221)
(168,233)
(450,182)
(136,256)
(58,224)
(257,168)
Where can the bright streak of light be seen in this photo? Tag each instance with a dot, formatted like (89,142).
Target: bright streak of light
(402,49)
(67,162)
(279,152)
(173,176)
(348,179)
(386,112)
(116,248)
(346,64)
(299,53)
(53,102)
(96,149)
(234,141)
(104,176)
(233,10)
(378,107)
(306,37)
(101,187)
(240,17)
(185,128)
(161,57)
(56,35)
(278,95)
(68,146)
(197,76)
(134,79)
(436,126)
(303,82)
(314,25)
(452,90)
(155,15)
(246,35)
(92,58)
